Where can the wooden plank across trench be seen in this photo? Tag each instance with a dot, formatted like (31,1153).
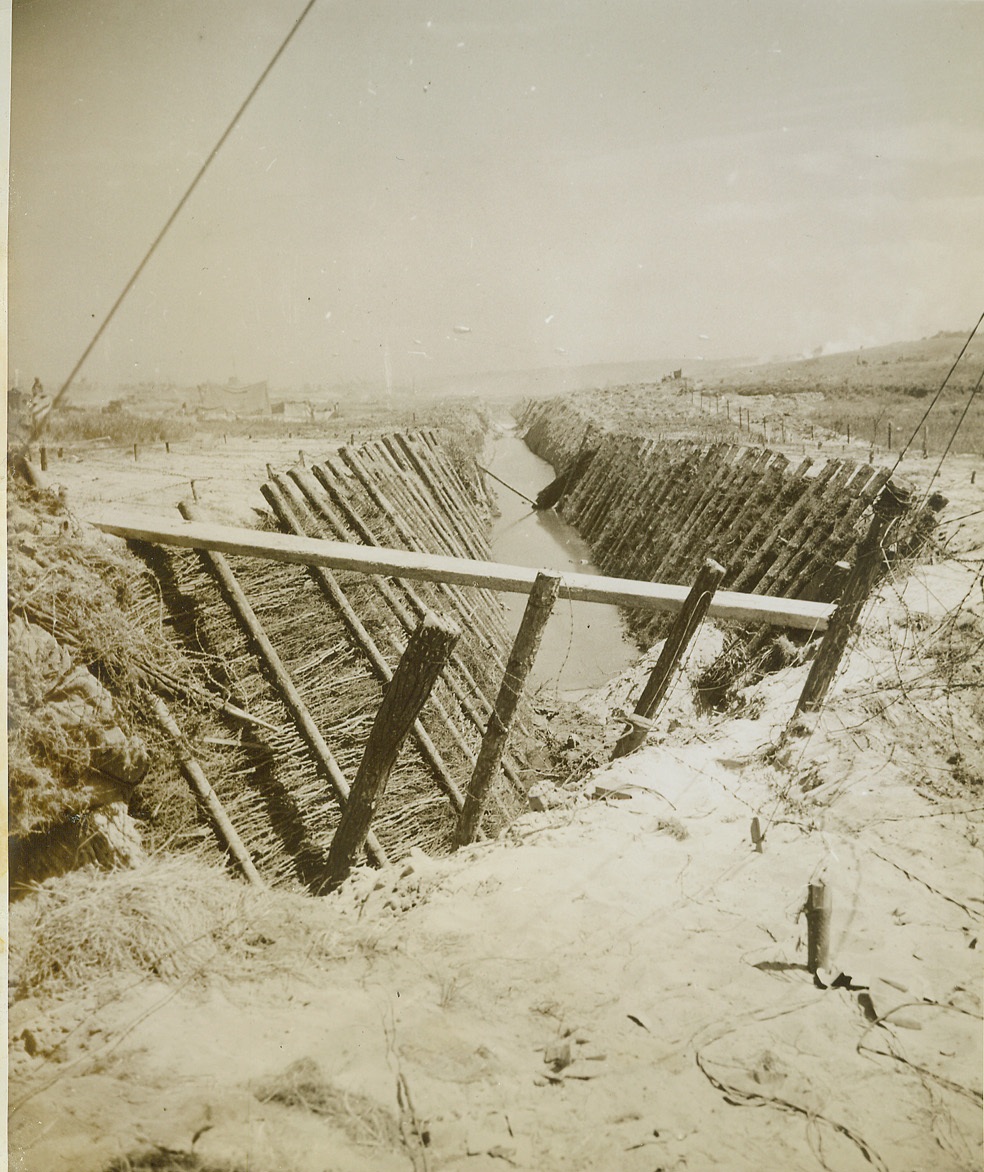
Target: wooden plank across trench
(402,563)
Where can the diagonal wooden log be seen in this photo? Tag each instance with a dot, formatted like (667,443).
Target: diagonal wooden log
(325,493)
(401,598)
(868,567)
(538,608)
(288,508)
(277,673)
(423,661)
(195,776)
(469,608)
(685,626)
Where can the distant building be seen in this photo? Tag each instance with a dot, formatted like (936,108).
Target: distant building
(231,399)
(304,409)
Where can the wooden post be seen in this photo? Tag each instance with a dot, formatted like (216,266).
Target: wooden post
(200,784)
(685,626)
(44,458)
(167,447)
(423,661)
(818,908)
(889,435)
(135,456)
(538,608)
(867,567)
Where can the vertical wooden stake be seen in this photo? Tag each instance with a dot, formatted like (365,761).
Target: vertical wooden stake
(867,568)
(538,607)
(818,908)
(758,838)
(685,626)
(44,458)
(423,661)
(135,457)
(889,435)
(194,491)
(167,447)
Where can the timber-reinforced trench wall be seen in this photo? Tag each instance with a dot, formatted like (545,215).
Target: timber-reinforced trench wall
(338,637)
(653,510)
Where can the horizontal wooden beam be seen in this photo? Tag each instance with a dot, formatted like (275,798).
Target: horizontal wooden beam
(402,563)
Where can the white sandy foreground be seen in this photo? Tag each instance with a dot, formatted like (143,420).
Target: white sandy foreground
(619,983)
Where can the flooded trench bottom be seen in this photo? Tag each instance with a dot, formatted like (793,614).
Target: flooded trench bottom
(585,643)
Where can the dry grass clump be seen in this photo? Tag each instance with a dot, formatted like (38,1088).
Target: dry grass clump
(303,1085)
(117,426)
(958,648)
(169,919)
(166,1160)
(744,661)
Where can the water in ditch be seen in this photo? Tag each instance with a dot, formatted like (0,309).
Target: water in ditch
(584,643)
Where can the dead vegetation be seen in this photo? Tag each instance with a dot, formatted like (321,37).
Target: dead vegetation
(89,644)
(170,919)
(167,1160)
(304,1086)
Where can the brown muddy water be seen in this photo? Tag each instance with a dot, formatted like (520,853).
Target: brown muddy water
(585,643)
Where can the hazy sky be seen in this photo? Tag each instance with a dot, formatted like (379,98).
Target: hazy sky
(570,182)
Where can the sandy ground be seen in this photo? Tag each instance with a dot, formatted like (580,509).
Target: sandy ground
(619,982)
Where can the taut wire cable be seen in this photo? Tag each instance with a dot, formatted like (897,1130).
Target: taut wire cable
(38,425)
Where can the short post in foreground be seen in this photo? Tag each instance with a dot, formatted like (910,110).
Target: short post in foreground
(818,908)
(685,626)
(868,566)
(422,662)
(538,608)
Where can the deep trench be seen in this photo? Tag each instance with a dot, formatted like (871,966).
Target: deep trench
(585,644)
